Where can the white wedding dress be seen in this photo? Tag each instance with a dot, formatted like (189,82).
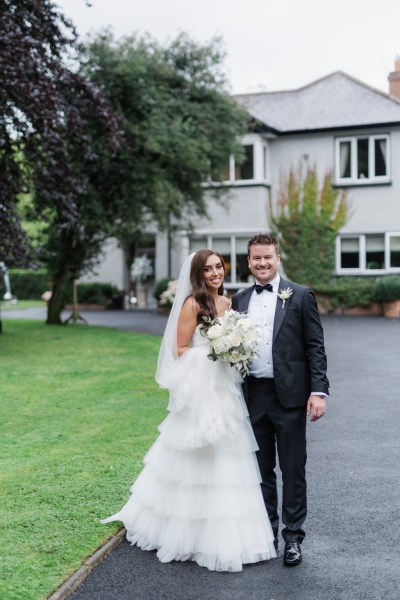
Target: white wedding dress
(198,497)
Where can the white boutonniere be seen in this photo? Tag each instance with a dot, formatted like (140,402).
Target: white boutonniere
(285,295)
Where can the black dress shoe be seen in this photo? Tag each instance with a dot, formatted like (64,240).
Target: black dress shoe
(292,554)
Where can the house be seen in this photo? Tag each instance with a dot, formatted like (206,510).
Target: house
(336,123)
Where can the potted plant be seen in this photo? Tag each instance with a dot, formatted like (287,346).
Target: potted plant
(160,287)
(387,291)
(142,270)
(167,297)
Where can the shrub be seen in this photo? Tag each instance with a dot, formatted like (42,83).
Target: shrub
(95,293)
(160,287)
(167,298)
(387,288)
(27,284)
(30,285)
(348,291)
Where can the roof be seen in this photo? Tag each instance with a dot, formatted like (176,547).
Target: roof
(336,101)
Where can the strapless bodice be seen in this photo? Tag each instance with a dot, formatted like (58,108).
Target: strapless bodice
(198,339)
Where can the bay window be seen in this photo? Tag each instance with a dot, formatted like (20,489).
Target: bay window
(254,168)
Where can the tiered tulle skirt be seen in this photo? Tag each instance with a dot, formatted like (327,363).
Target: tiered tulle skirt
(198,497)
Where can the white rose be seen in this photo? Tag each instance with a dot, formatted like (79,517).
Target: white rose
(214,332)
(235,338)
(235,356)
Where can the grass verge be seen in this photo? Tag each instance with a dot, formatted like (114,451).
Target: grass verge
(79,408)
(21,304)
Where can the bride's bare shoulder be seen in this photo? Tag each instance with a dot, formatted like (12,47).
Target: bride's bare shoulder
(227,302)
(190,306)
(223,304)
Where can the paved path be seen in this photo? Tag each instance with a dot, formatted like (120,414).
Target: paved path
(145,321)
(351,551)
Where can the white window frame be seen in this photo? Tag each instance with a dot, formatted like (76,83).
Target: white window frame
(232,235)
(353,179)
(261,166)
(387,252)
(362,269)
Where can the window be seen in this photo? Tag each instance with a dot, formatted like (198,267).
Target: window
(368,253)
(394,251)
(255,166)
(233,248)
(246,169)
(223,246)
(198,243)
(265,162)
(350,253)
(362,159)
(375,251)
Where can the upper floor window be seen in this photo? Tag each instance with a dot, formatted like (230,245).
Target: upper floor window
(363,159)
(246,169)
(254,168)
(366,253)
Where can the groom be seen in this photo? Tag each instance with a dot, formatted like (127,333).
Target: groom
(287,382)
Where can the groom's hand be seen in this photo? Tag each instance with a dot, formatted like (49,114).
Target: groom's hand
(316,407)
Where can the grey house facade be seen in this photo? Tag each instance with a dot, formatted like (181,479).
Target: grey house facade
(336,123)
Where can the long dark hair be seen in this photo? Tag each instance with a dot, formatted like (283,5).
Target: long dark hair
(199,289)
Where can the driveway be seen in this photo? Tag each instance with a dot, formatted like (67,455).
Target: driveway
(144,321)
(351,551)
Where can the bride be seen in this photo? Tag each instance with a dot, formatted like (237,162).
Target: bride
(198,497)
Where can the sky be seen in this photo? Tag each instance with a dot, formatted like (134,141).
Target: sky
(270,45)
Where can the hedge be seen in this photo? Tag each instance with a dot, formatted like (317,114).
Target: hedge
(28,285)
(348,291)
(95,293)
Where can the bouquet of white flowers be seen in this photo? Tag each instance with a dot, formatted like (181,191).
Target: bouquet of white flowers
(232,339)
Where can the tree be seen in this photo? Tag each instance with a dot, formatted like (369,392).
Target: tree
(180,126)
(306,221)
(47,111)
(15,248)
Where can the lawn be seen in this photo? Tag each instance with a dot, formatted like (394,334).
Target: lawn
(79,408)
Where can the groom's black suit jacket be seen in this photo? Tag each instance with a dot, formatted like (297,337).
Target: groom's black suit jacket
(298,345)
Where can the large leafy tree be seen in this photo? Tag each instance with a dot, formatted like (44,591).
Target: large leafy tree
(180,126)
(306,220)
(47,112)
(59,137)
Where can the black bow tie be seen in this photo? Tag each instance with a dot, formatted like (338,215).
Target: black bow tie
(260,288)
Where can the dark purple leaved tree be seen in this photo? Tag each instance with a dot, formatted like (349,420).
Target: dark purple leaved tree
(49,116)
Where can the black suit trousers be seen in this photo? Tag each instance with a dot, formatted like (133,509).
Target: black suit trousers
(284,430)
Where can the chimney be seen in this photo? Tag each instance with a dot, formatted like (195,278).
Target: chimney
(394,80)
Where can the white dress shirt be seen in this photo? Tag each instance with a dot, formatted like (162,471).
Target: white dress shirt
(262,313)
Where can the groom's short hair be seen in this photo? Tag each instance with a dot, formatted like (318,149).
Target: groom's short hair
(263,239)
